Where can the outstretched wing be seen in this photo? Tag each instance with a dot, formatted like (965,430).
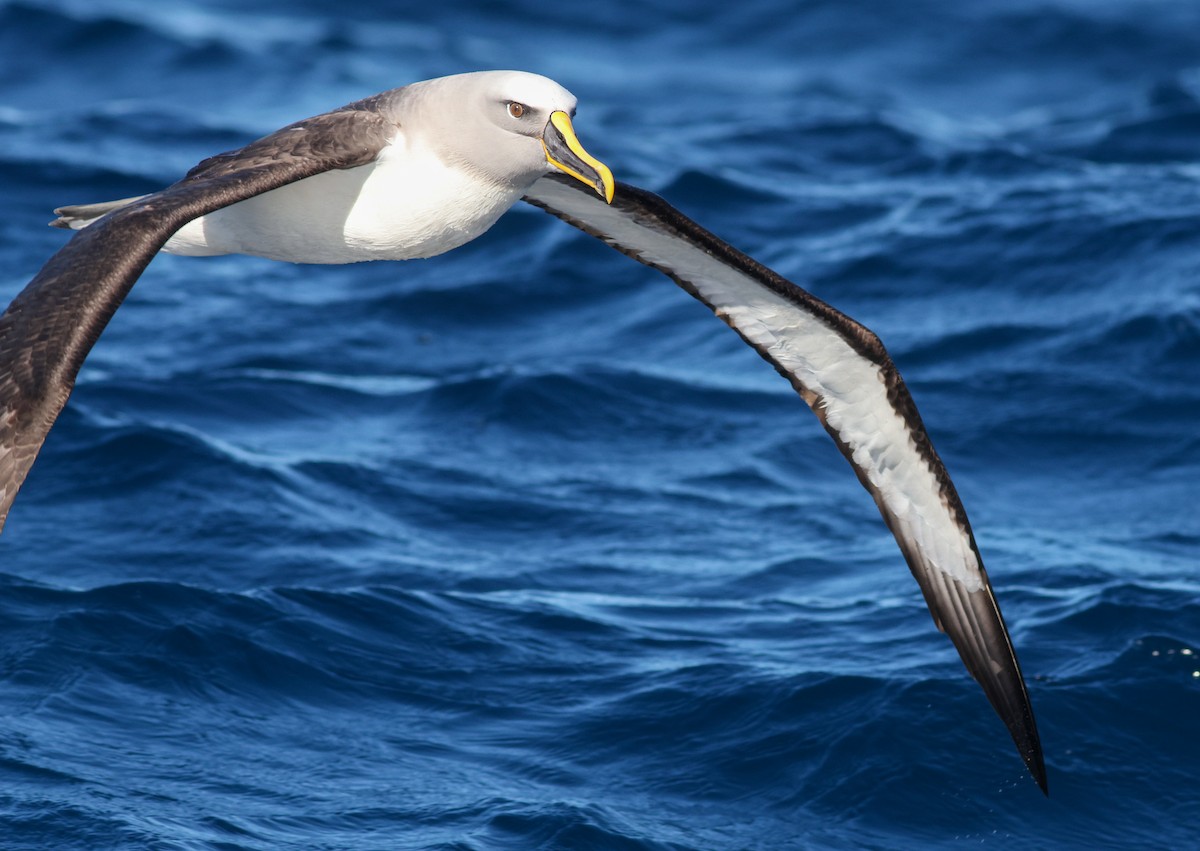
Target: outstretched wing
(53,323)
(843,372)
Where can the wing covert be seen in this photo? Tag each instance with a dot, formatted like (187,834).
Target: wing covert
(50,327)
(841,369)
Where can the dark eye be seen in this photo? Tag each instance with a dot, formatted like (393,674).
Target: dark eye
(516,110)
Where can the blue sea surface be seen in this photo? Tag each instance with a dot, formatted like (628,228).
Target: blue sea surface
(519,547)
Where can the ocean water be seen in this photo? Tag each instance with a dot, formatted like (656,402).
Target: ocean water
(518,547)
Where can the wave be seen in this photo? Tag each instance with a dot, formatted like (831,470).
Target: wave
(519,547)
(504,689)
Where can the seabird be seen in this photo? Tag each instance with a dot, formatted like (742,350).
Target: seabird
(422,169)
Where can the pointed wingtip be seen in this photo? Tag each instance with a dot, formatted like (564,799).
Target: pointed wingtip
(1024,732)
(1037,767)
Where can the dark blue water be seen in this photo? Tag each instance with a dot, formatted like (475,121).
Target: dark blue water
(518,547)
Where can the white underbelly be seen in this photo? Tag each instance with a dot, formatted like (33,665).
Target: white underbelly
(393,209)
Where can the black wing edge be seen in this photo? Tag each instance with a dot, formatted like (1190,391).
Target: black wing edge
(972,621)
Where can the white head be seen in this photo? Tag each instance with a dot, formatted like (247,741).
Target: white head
(511,127)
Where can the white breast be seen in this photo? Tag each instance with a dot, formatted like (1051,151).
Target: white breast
(406,204)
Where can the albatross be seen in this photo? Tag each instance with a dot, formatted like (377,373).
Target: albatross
(420,170)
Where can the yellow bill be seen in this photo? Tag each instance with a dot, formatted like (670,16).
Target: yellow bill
(564,152)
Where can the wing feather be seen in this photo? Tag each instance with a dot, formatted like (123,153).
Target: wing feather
(50,327)
(841,369)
